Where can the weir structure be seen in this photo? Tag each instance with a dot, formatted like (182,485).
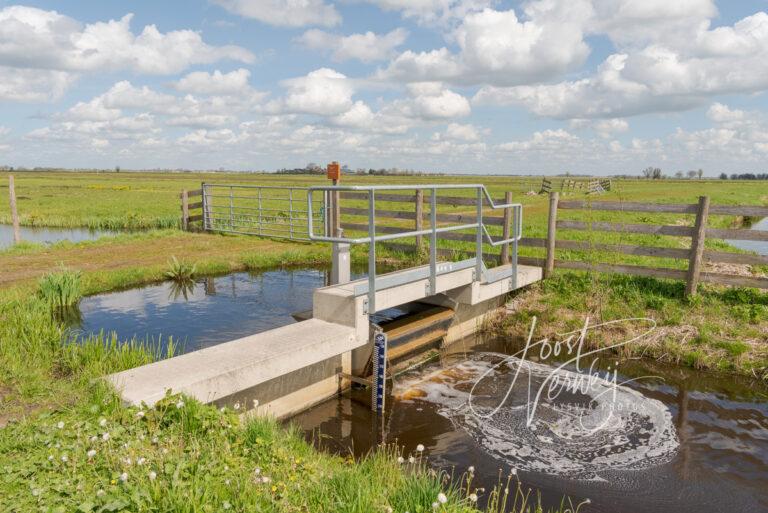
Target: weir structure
(285,370)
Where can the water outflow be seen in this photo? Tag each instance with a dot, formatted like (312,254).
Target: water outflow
(581,426)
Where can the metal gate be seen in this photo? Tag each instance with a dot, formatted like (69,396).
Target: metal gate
(268,211)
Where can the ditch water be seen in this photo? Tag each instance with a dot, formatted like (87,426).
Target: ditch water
(682,441)
(46,235)
(208,311)
(760,247)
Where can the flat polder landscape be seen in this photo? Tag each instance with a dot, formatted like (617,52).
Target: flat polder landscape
(122,268)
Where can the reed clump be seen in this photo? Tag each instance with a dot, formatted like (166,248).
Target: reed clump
(180,271)
(61,289)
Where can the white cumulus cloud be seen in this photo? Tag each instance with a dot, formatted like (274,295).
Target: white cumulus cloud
(367,47)
(285,13)
(202,82)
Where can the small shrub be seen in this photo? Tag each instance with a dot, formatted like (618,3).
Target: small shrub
(61,289)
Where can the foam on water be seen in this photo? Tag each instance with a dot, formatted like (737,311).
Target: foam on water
(582,431)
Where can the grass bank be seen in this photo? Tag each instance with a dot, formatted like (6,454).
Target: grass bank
(720,329)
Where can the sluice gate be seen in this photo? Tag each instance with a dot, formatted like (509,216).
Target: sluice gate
(283,371)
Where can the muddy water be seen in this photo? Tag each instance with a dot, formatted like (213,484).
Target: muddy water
(680,441)
(45,235)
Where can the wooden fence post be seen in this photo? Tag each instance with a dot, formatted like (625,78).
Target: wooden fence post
(551,225)
(507,222)
(419,218)
(184,210)
(14,212)
(697,246)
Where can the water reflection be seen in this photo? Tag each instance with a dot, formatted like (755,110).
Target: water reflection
(205,311)
(202,312)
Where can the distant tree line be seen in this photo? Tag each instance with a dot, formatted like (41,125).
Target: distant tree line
(744,176)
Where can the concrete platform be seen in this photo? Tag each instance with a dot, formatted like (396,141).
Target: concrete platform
(224,370)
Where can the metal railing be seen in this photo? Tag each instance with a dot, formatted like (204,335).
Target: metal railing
(482,236)
(268,211)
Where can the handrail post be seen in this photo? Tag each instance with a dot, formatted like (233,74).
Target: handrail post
(697,246)
(371,253)
(479,238)
(419,218)
(507,221)
(551,227)
(433,243)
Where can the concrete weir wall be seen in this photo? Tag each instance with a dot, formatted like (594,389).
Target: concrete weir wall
(285,370)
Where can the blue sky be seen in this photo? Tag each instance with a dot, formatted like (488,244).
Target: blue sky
(472,86)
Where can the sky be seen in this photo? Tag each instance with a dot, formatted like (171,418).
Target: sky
(458,86)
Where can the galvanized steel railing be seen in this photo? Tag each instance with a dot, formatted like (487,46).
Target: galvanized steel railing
(482,236)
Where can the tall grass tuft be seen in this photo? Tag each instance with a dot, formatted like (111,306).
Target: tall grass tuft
(180,271)
(61,289)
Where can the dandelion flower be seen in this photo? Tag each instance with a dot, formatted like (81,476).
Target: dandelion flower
(94,438)
(103,422)
(91,453)
(35,492)
(473,497)
(389,509)
(435,505)
(514,471)
(124,477)
(471,469)
(180,404)
(64,458)
(420,448)
(400,459)
(140,414)
(50,457)
(411,460)
(60,425)
(257,471)
(100,493)
(105,436)
(441,498)
(152,475)
(155,440)
(141,461)
(237,406)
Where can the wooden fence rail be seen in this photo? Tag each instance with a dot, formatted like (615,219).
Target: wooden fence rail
(696,255)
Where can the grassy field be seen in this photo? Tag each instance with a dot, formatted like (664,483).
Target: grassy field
(196,458)
(150,200)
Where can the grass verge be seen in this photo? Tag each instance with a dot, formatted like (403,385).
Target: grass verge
(723,329)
